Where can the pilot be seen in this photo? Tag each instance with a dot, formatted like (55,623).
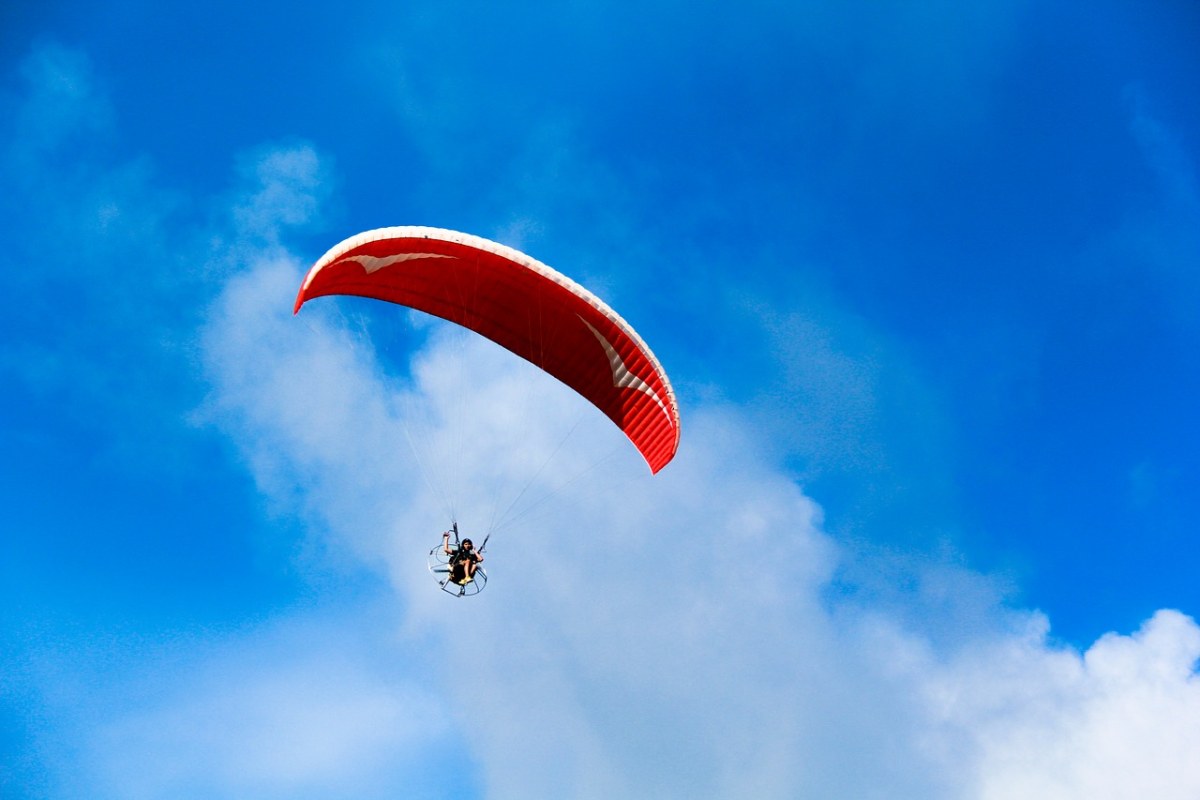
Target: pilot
(463,561)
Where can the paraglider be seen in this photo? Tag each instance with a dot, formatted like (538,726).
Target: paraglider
(455,565)
(521,304)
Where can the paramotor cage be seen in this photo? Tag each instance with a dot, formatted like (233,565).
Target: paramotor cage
(440,566)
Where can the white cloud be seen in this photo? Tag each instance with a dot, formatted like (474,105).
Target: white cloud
(672,637)
(1119,721)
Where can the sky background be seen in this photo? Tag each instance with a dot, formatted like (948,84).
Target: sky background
(925,276)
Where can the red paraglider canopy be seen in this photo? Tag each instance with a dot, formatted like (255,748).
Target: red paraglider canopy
(522,305)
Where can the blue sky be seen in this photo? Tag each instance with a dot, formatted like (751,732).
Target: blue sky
(926,277)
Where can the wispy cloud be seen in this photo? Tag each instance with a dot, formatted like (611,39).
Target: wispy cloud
(678,629)
(1164,234)
(308,706)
